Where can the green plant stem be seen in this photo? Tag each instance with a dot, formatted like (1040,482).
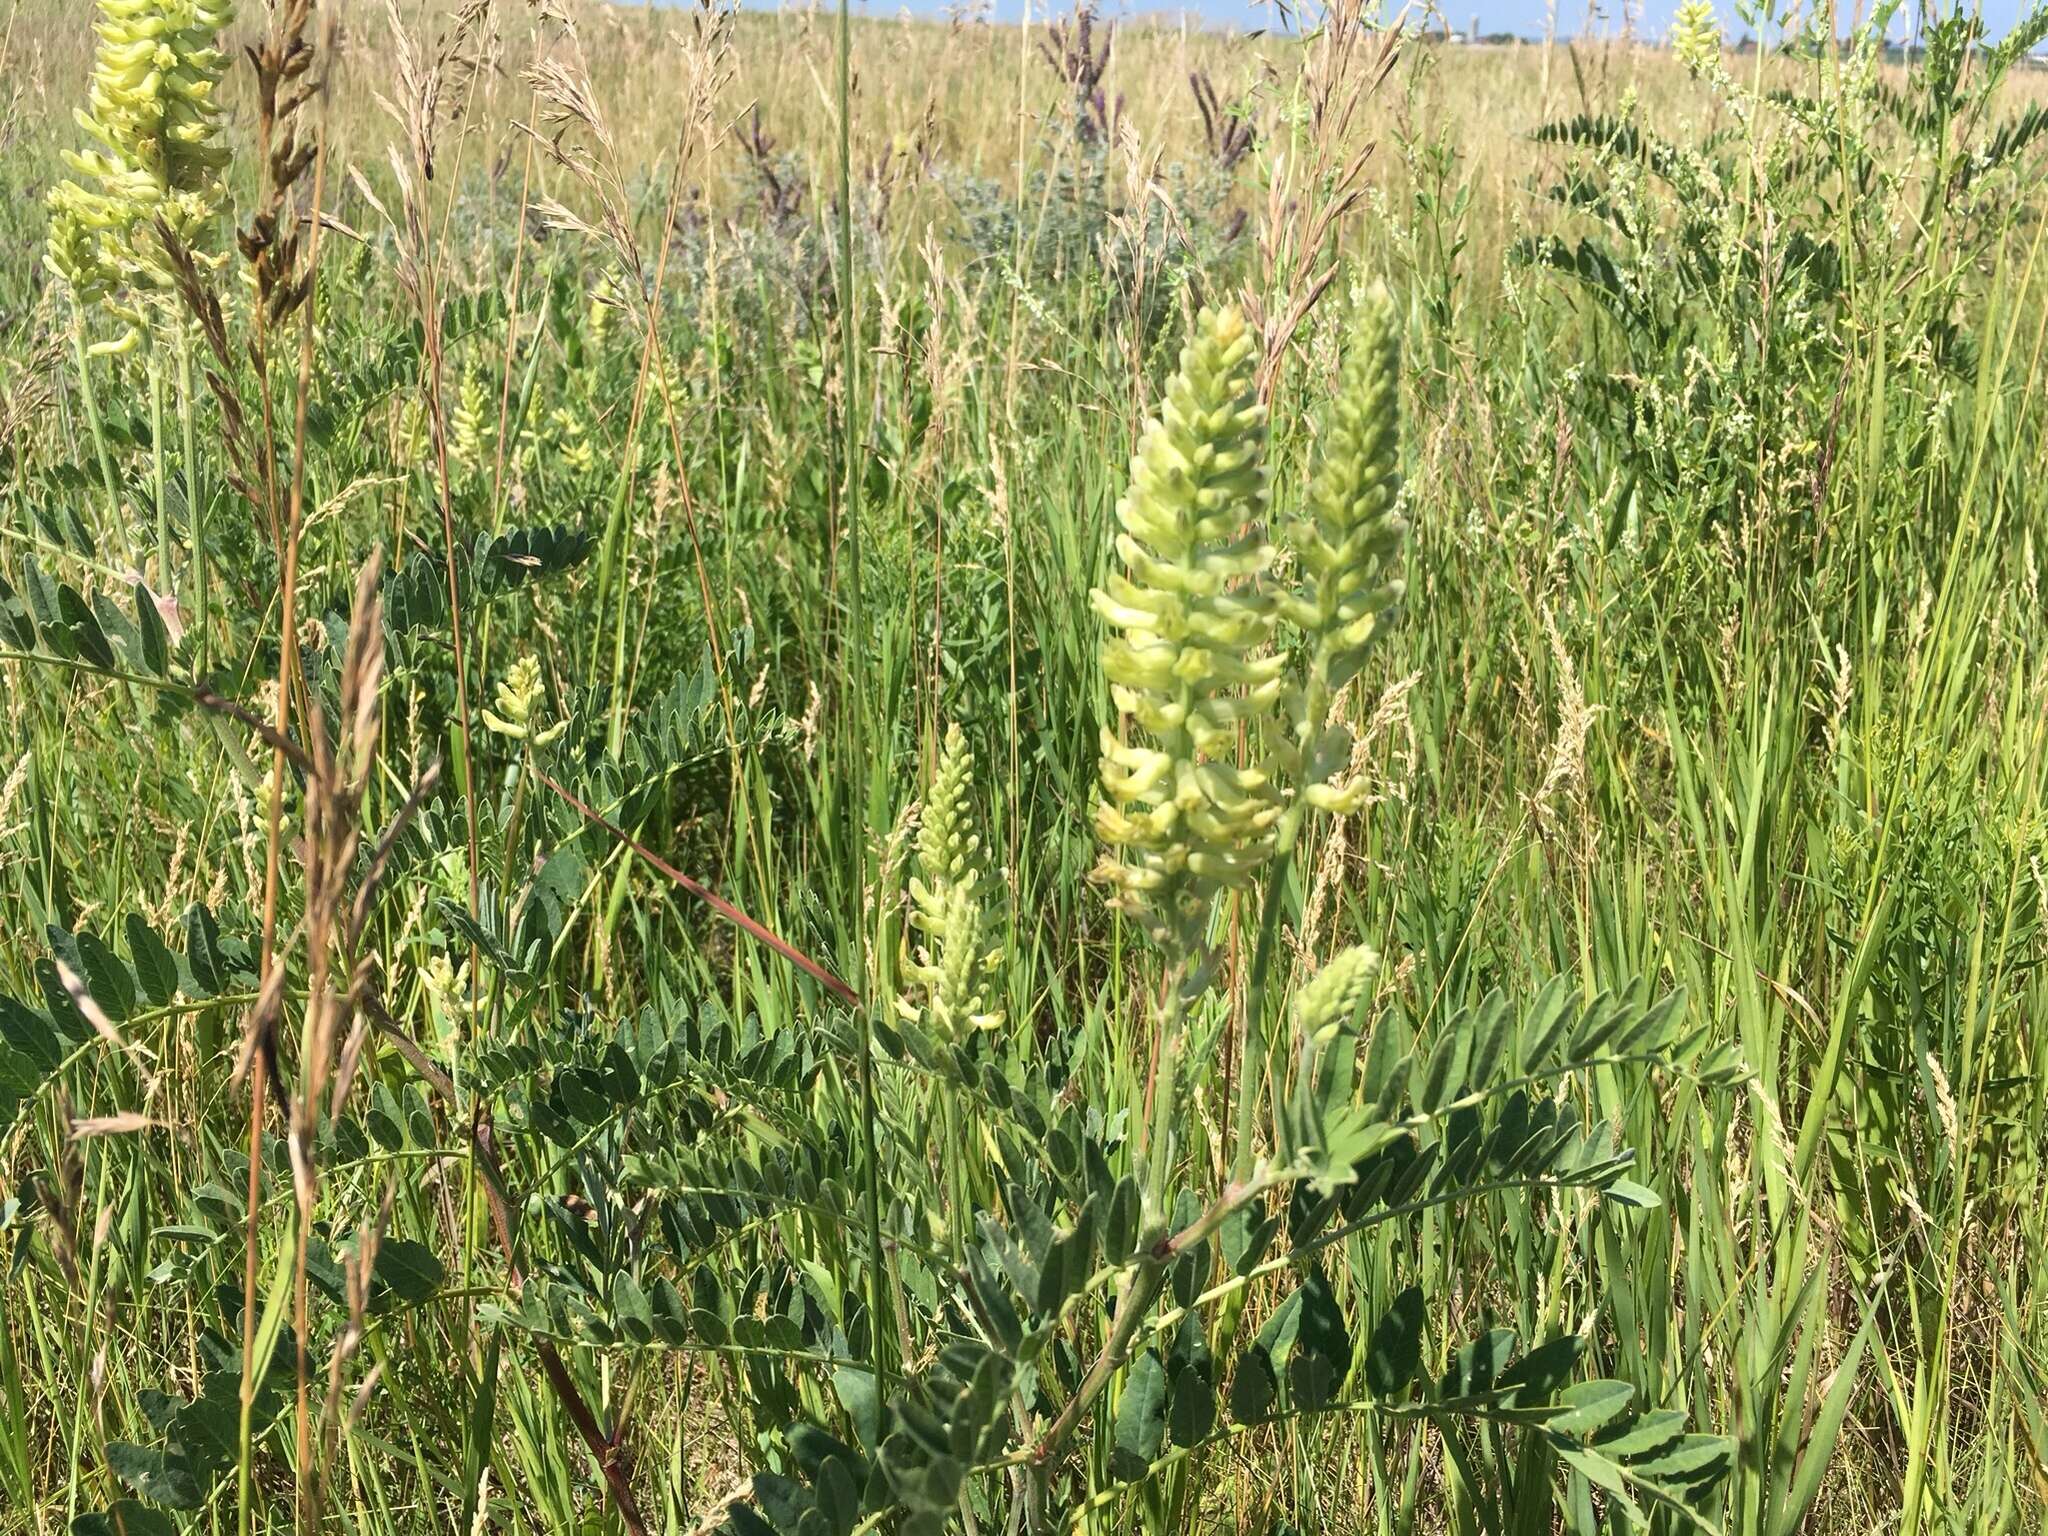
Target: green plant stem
(1251,1069)
(1133,1302)
(157,471)
(879,1309)
(507,864)
(1154,1151)
(195,506)
(952,1139)
(1141,1288)
(96,426)
(611,581)
(87,669)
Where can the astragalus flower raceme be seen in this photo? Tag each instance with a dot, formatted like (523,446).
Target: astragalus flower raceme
(471,424)
(1327,1003)
(1696,38)
(1344,541)
(952,968)
(519,700)
(1230,738)
(1317,1124)
(156,153)
(1189,658)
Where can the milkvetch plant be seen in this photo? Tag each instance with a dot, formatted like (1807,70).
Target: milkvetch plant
(1696,37)
(689,1143)
(1191,663)
(1092,1304)
(1188,663)
(519,698)
(1344,540)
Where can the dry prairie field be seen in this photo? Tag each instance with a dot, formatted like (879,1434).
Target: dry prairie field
(772,772)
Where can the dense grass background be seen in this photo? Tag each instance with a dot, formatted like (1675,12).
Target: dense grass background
(1722,665)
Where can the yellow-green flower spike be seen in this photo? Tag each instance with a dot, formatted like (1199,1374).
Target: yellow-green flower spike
(956,964)
(157,155)
(1329,1001)
(572,441)
(1345,544)
(947,849)
(519,699)
(471,423)
(1696,37)
(1188,657)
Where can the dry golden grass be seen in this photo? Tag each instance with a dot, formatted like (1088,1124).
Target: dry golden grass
(968,96)
(973,95)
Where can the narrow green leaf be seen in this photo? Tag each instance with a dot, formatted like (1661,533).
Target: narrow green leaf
(17,629)
(150,629)
(1550,1016)
(1587,1407)
(86,634)
(1444,1075)
(1384,1056)
(202,951)
(156,968)
(1492,1025)
(1387,1105)
(405,1274)
(1120,1229)
(1395,1352)
(1819,1442)
(106,977)
(630,1310)
(30,1037)
(1645,1435)
(41,593)
(1140,1416)
(117,626)
(1596,1026)
(1638,1197)
(1685,1462)
(478,1431)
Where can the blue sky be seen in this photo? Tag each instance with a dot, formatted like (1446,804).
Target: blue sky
(1527,17)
